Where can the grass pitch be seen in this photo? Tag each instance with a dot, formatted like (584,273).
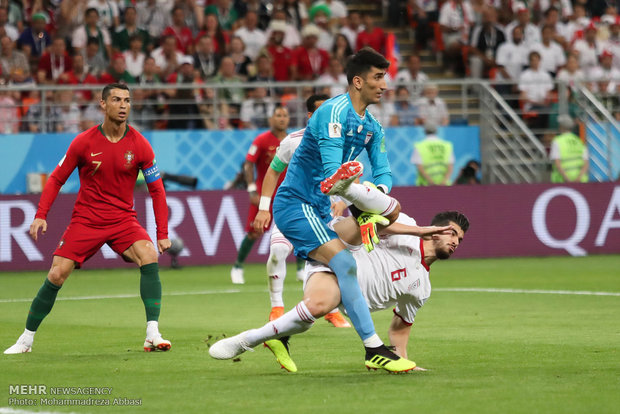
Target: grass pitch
(493,350)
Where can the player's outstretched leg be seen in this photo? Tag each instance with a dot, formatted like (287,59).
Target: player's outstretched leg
(368,198)
(279,348)
(39,309)
(342,178)
(150,292)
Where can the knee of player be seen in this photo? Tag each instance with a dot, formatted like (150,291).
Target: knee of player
(57,276)
(394,214)
(318,306)
(148,257)
(278,252)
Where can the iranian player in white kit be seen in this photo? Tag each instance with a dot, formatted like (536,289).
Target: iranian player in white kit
(395,273)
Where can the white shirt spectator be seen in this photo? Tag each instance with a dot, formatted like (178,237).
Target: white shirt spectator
(531,33)
(254,40)
(600,74)
(160,60)
(415,90)
(154,19)
(338,86)
(108,11)
(564,6)
(256,113)
(337,8)
(80,37)
(134,63)
(383,112)
(536,84)
(571,79)
(326,40)
(352,34)
(292,39)
(552,57)
(588,55)
(457,16)
(436,111)
(11,31)
(513,58)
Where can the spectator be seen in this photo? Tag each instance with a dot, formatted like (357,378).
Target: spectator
(485,39)
(232,94)
(66,113)
(91,29)
(78,75)
(433,157)
(308,61)
(371,35)
(39,117)
(179,30)
(571,74)
(242,61)
(561,33)
(352,28)
(11,59)
(413,76)
(384,111)
(531,33)
(334,80)
(34,40)
(512,57)
(194,13)
(613,41)
(117,72)
(109,15)
(469,174)
(182,102)
(153,16)
(564,8)
(588,49)
(142,114)
(568,154)
(296,13)
(225,13)
(94,60)
(536,85)
(205,59)
(605,77)
(421,14)
(6,27)
(15,14)
(338,11)
(134,56)
(71,16)
(406,112)
(93,114)
(167,57)
(432,108)
(256,111)
(54,63)
(260,8)
(455,19)
(326,38)
(342,48)
(9,114)
(264,73)
(280,56)
(552,54)
(154,98)
(123,34)
(213,29)
(253,37)
(291,35)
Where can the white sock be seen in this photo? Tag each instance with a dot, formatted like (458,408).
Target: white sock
(276,269)
(373,342)
(295,321)
(152,329)
(28,336)
(369,199)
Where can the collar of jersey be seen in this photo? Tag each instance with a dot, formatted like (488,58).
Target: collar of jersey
(102,133)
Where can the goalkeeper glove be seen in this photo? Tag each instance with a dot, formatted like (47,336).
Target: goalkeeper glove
(368,228)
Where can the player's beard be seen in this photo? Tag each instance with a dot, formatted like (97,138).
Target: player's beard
(443,253)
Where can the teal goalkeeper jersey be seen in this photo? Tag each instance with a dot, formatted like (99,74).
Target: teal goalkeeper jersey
(335,134)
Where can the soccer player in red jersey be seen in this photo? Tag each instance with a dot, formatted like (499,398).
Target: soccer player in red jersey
(108,158)
(259,157)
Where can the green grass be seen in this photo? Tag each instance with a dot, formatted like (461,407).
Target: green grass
(486,352)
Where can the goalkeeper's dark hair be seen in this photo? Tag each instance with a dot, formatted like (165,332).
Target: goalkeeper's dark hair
(446,217)
(360,63)
(109,87)
(311,101)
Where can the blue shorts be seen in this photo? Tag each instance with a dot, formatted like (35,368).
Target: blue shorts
(302,224)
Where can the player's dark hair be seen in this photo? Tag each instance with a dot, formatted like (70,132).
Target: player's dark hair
(108,88)
(312,100)
(360,63)
(445,217)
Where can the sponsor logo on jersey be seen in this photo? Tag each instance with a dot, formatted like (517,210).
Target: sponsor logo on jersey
(94,154)
(335,130)
(368,137)
(350,133)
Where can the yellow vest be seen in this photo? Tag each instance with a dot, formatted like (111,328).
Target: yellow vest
(436,156)
(571,158)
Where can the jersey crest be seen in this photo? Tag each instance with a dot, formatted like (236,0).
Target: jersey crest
(129,157)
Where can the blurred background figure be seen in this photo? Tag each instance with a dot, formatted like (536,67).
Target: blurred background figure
(433,157)
(569,155)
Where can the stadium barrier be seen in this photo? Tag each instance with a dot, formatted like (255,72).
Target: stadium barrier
(506,220)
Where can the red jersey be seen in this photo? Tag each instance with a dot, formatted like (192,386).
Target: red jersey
(281,58)
(261,153)
(184,37)
(374,39)
(310,64)
(108,173)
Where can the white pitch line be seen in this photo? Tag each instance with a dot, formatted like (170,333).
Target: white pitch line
(530,291)
(227,291)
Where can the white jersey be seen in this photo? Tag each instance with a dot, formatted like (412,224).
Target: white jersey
(288,146)
(393,274)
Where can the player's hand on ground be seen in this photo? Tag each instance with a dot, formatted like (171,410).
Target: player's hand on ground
(261,221)
(254,198)
(368,229)
(37,224)
(163,245)
(338,208)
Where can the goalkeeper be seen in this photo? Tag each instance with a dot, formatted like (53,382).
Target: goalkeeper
(396,273)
